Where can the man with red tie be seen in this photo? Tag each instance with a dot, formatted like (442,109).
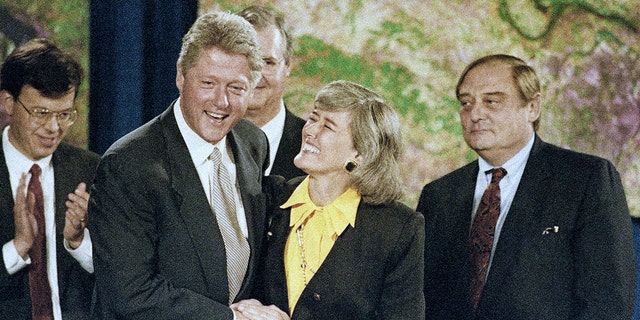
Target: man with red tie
(529,230)
(46,268)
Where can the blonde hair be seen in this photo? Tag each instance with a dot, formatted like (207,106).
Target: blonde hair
(376,135)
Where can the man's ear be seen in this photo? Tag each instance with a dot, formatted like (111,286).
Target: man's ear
(179,77)
(534,107)
(7,101)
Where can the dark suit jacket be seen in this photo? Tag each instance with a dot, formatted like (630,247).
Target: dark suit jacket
(71,166)
(584,271)
(374,271)
(158,252)
(289,147)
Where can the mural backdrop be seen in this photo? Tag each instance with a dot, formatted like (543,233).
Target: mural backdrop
(412,52)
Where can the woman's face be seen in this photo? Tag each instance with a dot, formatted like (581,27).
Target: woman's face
(326,143)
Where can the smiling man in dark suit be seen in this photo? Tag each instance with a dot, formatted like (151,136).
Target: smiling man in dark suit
(38,86)
(173,239)
(266,107)
(559,242)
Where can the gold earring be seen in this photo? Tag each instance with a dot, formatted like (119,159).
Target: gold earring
(350,165)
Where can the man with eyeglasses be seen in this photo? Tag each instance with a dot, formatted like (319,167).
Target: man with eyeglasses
(266,107)
(47,263)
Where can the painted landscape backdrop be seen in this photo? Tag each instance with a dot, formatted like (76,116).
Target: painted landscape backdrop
(412,52)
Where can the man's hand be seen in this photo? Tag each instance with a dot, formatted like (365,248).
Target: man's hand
(24,221)
(76,216)
(254,310)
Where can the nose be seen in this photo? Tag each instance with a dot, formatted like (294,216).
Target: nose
(52,122)
(220,98)
(476,111)
(311,129)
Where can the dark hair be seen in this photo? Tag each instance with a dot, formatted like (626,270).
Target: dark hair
(261,17)
(42,65)
(523,75)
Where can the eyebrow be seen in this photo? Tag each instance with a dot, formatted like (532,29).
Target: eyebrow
(496,93)
(315,112)
(484,94)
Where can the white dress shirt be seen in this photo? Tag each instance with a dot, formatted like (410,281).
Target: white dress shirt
(199,150)
(508,187)
(274,130)
(18,164)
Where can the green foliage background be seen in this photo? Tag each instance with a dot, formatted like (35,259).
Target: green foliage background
(412,52)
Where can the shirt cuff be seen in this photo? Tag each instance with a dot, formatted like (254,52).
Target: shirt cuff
(12,260)
(83,253)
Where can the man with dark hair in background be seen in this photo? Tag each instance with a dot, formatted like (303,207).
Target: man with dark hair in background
(529,230)
(47,264)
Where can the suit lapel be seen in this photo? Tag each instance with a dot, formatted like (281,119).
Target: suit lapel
(7,231)
(524,211)
(253,200)
(246,173)
(194,208)
(65,174)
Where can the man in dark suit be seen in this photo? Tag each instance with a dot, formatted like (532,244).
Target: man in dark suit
(161,242)
(266,107)
(38,86)
(561,246)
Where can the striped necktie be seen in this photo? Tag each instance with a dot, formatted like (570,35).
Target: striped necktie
(223,204)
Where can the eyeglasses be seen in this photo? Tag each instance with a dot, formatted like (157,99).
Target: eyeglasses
(271,65)
(41,115)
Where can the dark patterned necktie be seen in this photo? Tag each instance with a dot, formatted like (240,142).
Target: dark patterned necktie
(41,305)
(482,234)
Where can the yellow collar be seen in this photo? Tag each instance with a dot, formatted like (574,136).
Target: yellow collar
(340,213)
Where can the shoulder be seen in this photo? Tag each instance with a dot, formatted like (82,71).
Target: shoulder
(566,162)
(455,178)
(293,120)
(249,131)
(68,152)
(391,214)
(247,135)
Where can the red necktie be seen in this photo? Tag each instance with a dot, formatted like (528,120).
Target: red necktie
(482,233)
(41,305)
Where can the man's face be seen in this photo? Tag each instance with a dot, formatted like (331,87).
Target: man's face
(496,121)
(33,139)
(268,92)
(214,93)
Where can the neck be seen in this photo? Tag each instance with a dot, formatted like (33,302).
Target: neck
(261,115)
(324,190)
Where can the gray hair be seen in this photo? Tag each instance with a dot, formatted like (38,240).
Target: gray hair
(261,18)
(226,31)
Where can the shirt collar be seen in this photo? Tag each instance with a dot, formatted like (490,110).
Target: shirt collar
(340,213)
(513,165)
(18,162)
(199,149)
(274,128)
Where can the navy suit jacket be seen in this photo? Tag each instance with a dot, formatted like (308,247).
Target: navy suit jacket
(373,271)
(289,147)
(71,166)
(585,270)
(158,251)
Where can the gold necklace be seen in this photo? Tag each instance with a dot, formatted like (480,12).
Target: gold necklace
(303,266)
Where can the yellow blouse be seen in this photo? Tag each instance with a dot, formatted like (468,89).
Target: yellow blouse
(314,230)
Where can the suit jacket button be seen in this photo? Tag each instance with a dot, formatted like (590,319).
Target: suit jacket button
(316,296)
